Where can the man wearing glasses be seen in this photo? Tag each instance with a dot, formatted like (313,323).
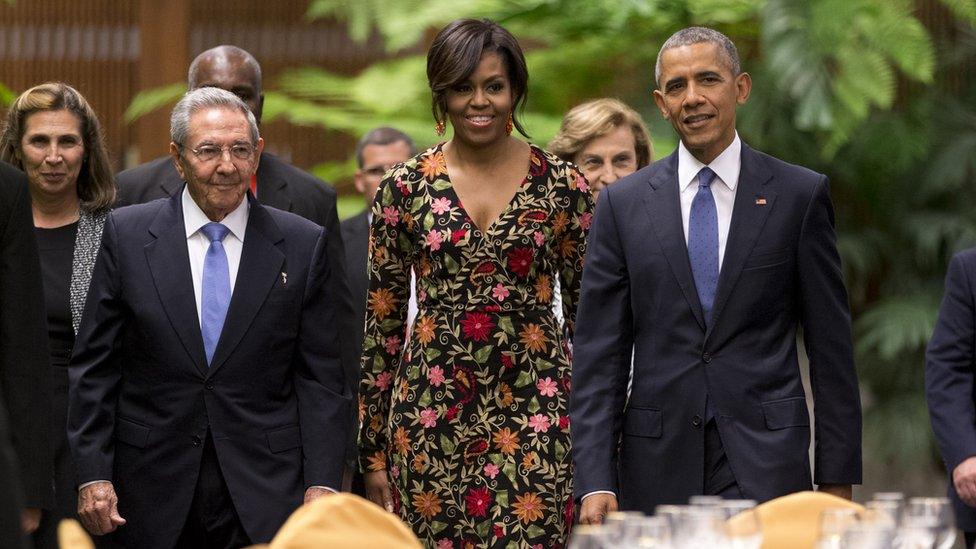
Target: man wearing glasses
(376,153)
(207,400)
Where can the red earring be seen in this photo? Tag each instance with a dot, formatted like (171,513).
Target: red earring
(439,128)
(510,125)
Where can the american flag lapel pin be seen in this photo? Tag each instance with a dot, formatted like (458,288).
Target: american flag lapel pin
(760,201)
(284,278)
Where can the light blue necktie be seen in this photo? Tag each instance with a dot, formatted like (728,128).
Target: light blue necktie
(215,297)
(703,242)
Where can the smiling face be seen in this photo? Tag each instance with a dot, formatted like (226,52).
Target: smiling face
(607,158)
(217,186)
(52,151)
(479,107)
(698,94)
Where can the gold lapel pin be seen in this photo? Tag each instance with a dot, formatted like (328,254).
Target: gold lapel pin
(760,201)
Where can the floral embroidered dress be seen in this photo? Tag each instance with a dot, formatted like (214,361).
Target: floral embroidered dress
(470,418)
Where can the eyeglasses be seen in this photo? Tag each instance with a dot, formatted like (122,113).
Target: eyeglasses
(209,153)
(376,172)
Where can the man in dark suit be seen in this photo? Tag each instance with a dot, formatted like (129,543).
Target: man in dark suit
(276,183)
(207,401)
(26,455)
(376,153)
(950,379)
(704,264)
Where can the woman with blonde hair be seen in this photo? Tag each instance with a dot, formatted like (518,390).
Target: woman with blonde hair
(606,139)
(54,136)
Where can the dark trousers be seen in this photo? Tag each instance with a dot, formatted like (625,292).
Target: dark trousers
(970,539)
(212,522)
(719,480)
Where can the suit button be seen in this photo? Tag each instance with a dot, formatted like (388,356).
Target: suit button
(196,440)
(696,421)
(209,386)
(706,357)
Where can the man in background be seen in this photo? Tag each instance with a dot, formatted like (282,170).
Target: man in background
(376,153)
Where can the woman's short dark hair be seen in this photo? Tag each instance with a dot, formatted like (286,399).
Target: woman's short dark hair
(96,184)
(455,53)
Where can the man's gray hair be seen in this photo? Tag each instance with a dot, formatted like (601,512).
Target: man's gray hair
(698,35)
(383,136)
(206,98)
(225,52)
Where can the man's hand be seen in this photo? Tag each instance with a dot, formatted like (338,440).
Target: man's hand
(964,480)
(30,519)
(313,493)
(378,489)
(98,508)
(596,507)
(840,490)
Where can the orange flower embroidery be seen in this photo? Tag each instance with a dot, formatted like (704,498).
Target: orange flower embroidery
(375,422)
(402,441)
(382,302)
(433,165)
(505,440)
(528,507)
(425,330)
(560,222)
(427,504)
(419,461)
(528,462)
(377,462)
(566,247)
(534,338)
(543,288)
(506,394)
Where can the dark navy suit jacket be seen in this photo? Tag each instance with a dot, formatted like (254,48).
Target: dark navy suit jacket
(950,367)
(781,270)
(282,186)
(142,396)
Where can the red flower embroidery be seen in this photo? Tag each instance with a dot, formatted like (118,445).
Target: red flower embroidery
(477,326)
(538,165)
(474,449)
(477,501)
(520,261)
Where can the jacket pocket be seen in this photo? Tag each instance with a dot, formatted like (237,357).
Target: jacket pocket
(284,438)
(760,258)
(786,412)
(131,433)
(643,422)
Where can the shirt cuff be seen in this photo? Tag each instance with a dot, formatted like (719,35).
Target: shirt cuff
(597,492)
(325,488)
(89,483)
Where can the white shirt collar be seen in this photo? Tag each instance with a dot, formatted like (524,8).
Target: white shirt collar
(726,165)
(194,218)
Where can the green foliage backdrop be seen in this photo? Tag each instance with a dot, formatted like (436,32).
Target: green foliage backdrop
(858,89)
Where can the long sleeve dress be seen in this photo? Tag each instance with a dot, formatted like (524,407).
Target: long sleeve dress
(470,415)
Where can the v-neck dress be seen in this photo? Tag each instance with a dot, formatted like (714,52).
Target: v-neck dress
(470,414)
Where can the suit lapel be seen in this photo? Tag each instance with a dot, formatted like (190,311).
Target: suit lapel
(169,263)
(272,189)
(748,219)
(261,265)
(664,209)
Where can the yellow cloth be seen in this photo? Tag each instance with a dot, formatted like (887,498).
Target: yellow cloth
(72,536)
(793,521)
(342,521)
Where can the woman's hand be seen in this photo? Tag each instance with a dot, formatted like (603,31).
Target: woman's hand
(378,489)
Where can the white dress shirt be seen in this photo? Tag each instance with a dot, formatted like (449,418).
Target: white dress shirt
(197,242)
(726,167)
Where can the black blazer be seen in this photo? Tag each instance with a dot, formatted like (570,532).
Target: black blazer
(142,397)
(781,270)
(355,236)
(950,375)
(282,186)
(25,356)
(25,391)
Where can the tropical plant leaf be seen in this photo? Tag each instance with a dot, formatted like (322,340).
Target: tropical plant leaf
(148,101)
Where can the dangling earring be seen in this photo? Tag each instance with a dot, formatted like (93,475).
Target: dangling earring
(439,128)
(510,125)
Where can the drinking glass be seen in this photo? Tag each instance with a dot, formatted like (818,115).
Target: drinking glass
(833,522)
(937,513)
